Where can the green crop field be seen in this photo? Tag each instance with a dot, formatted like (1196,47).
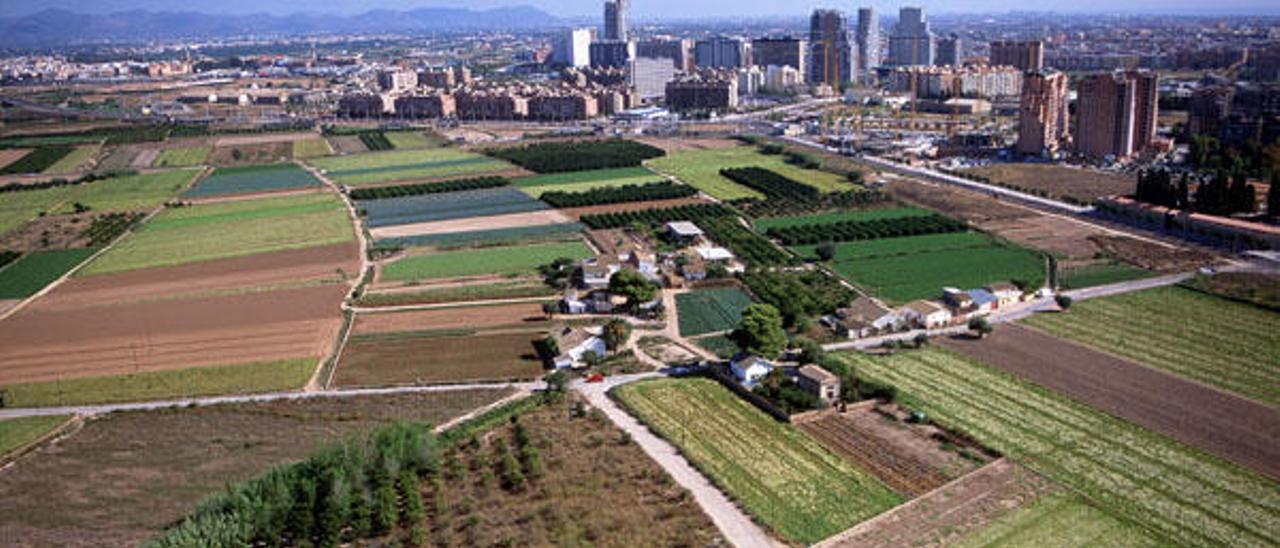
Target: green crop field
(182,157)
(15,433)
(1180,494)
(1230,345)
(1102,274)
(73,161)
(701,168)
(1057,521)
(497,236)
(784,478)
(579,181)
(710,310)
(476,262)
(841,216)
(311,148)
(251,179)
(380,167)
(38,160)
(411,139)
(33,271)
(133,193)
(232,229)
(158,385)
(904,269)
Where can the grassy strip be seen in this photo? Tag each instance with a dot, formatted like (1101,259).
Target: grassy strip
(488,419)
(35,270)
(73,161)
(1057,521)
(498,260)
(840,216)
(1102,274)
(15,433)
(182,157)
(458,294)
(160,385)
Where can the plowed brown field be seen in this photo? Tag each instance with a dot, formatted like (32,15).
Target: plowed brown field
(450,318)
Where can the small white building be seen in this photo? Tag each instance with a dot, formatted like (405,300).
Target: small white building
(862,318)
(684,231)
(926,314)
(714,254)
(596,275)
(750,369)
(575,343)
(1005,292)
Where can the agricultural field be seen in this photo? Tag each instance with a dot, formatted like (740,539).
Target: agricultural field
(182,157)
(484,261)
(392,358)
(28,275)
(1084,185)
(579,181)
(514,289)
(11,155)
(568,156)
(489,236)
(1179,494)
(1100,274)
(910,270)
(707,311)
(218,231)
(311,148)
(411,139)
(130,193)
(252,179)
(85,490)
(763,225)
(73,161)
(788,481)
(15,433)
(1202,337)
(38,160)
(701,168)
(447,206)
(1256,288)
(399,165)
(1058,521)
(159,385)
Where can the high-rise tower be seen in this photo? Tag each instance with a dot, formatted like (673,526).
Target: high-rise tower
(831,53)
(615,20)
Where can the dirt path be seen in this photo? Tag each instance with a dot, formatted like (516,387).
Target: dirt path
(1223,424)
(945,514)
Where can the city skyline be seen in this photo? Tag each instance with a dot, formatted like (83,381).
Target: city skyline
(651,9)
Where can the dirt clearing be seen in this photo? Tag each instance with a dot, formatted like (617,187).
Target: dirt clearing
(471,224)
(11,155)
(450,318)
(436,358)
(1082,184)
(1237,429)
(242,140)
(692,143)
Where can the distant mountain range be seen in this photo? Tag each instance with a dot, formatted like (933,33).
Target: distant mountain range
(59,27)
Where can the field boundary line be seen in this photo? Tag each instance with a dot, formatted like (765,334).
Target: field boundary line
(462,419)
(66,428)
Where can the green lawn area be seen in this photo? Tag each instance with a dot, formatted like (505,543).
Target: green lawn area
(15,433)
(1230,345)
(579,181)
(840,217)
(784,478)
(411,139)
(904,269)
(73,161)
(475,262)
(158,385)
(1057,521)
(1180,494)
(311,148)
(701,168)
(182,157)
(1102,274)
(710,310)
(231,229)
(33,271)
(133,193)
(396,165)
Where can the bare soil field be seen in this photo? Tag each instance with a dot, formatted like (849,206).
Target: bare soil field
(11,155)
(48,232)
(495,222)
(397,360)
(250,154)
(962,204)
(909,458)
(1232,427)
(119,158)
(577,212)
(946,515)
(50,345)
(144,158)
(470,317)
(1059,181)
(1152,256)
(240,274)
(123,477)
(347,144)
(673,145)
(266,138)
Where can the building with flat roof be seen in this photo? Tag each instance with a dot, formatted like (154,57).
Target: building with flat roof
(649,77)
(950,51)
(831,55)
(867,40)
(912,42)
(612,54)
(721,52)
(573,47)
(1116,114)
(1043,123)
(678,50)
(615,20)
(1026,55)
(703,92)
(780,51)
(438,105)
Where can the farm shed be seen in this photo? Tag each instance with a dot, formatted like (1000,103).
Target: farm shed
(684,231)
(926,314)
(819,382)
(574,344)
(750,369)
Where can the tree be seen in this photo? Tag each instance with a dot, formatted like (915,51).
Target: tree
(557,381)
(761,331)
(616,334)
(1064,302)
(810,350)
(550,309)
(1273,197)
(826,251)
(921,340)
(632,285)
(980,326)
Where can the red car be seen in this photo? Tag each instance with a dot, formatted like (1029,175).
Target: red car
(595,378)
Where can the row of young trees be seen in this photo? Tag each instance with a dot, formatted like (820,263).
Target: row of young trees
(847,231)
(54,183)
(1218,195)
(656,216)
(561,157)
(376,141)
(771,184)
(378,193)
(798,295)
(664,190)
(106,228)
(852,199)
(744,243)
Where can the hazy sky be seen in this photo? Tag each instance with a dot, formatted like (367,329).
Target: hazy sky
(652,8)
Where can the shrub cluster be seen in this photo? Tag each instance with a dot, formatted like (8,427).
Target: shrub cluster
(654,217)
(744,243)
(8,256)
(848,231)
(106,228)
(560,157)
(52,183)
(852,199)
(798,294)
(771,184)
(377,193)
(622,194)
